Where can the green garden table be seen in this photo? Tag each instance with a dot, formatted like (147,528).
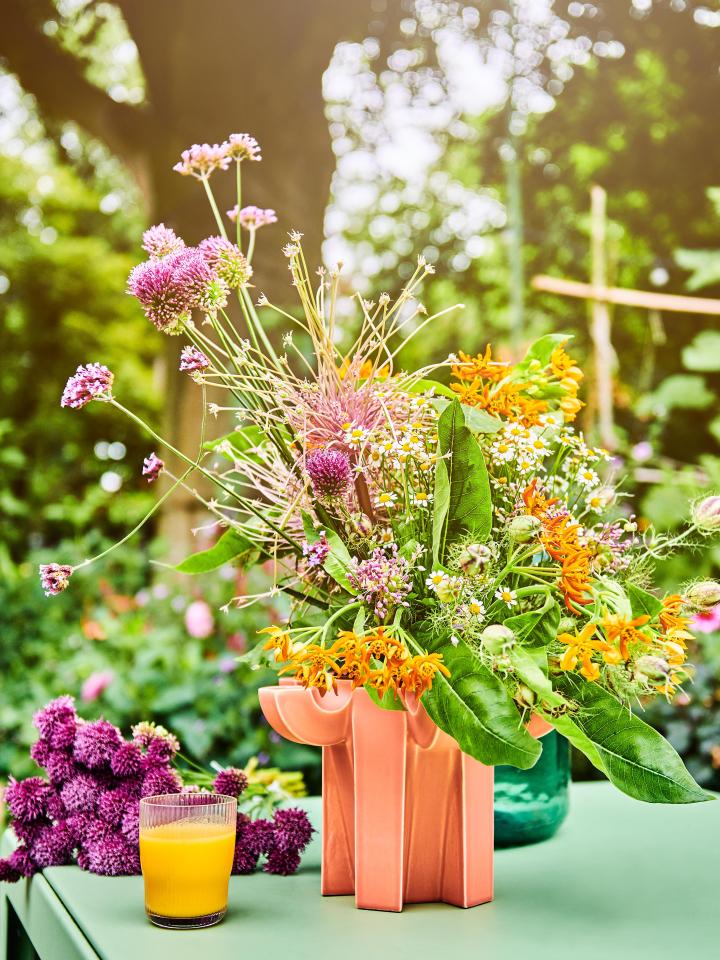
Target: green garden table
(620,881)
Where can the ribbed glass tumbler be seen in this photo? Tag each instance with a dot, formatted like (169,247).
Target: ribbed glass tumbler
(187,844)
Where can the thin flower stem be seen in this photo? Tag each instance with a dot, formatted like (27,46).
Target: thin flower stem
(238,184)
(214,207)
(251,245)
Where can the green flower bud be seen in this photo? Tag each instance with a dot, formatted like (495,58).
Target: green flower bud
(523,529)
(704,594)
(653,668)
(475,558)
(497,637)
(706,514)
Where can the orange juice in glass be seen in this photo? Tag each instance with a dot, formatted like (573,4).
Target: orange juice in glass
(187,843)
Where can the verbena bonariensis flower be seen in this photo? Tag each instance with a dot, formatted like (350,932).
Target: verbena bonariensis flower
(330,474)
(55,577)
(90,382)
(241,146)
(192,358)
(226,259)
(252,218)
(316,553)
(231,782)
(383,580)
(201,159)
(160,241)
(96,743)
(152,467)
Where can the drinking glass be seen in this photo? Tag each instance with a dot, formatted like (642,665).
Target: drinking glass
(187,844)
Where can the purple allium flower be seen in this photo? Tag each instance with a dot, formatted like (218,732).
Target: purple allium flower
(159,781)
(130,827)
(282,862)
(90,382)
(152,467)
(28,799)
(258,836)
(80,795)
(8,873)
(201,284)
(201,159)
(113,857)
(161,290)
(40,752)
(241,146)
(316,553)
(91,830)
(55,577)
(127,761)
(383,580)
(252,218)
(113,805)
(21,862)
(96,743)
(160,241)
(57,722)
(244,860)
(146,731)
(330,474)
(226,260)
(60,766)
(231,782)
(292,829)
(193,359)
(160,753)
(28,832)
(53,847)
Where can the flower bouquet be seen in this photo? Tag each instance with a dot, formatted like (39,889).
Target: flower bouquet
(464,571)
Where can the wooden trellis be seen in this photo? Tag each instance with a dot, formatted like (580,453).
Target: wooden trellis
(601,296)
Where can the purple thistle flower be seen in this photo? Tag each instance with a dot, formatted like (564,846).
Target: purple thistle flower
(292,829)
(152,467)
(258,836)
(282,862)
(28,799)
(80,795)
(241,146)
(60,766)
(252,218)
(192,359)
(316,553)
(330,474)
(160,781)
(54,845)
(55,578)
(231,782)
(226,260)
(161,241)
(57,722)
(201,159)
(90,382)
(127,761)
(160,289)
(96,743)
(113,857)
(244,860)
(382,580)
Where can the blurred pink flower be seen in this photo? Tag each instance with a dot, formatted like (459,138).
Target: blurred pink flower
(152,467)
(201,159)
(706,622)
(199,620)
(90,382)
(252,218)
(95,685)
(237,642)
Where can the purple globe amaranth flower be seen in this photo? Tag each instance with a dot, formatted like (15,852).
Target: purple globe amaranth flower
(383,580)
(90,382)
(292,829)
(161,241)
(161,291)
(96,743)
(226,260)
(241,146)
(330,474)
(28,799)
(201,159)
(113,857)
(191,359)
(127,761)
(282,862)
(80,795)
(231,782)
(252,218)
(152,467)
(57,722)
(55,578)
(316,553)
(258,836)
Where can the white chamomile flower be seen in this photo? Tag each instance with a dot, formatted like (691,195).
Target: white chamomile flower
(386,499)
(508,597)
(600,499)
(587,477)
(435,579)
(355,437)
(373,460)
(503,450)
(475,608)
(421,498)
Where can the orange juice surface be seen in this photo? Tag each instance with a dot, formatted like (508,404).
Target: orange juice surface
(186,867)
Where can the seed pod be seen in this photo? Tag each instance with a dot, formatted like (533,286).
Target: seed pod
(523,529)
(704,595)
(497,637)
(475,558)
(654,668)
(524,696)
(706,514)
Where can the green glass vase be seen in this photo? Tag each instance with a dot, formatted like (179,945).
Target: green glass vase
(531,804)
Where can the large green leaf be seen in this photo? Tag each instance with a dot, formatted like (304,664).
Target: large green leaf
(479,421)
(338,561)
(232,546)
(542,349)
(475,709)
(565,726)
(642,602)
(636,758)
(528,665)
(462,484)
(536,626)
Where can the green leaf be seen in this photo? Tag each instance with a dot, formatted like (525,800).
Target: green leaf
(232,546)
(531,673)
(636,758)
(565,726)
(539,626)
(423,386)
(703,353)
(338,561)
(388,701)
(542,349)
(466,504)
(643,602)
(241,440)
(479,421)
(475,709)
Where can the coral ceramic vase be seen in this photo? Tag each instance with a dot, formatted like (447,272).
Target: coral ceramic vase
(407,816)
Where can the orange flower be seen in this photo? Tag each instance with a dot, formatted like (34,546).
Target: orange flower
(419,672)
(314,666)
(280,642)
(481,367)
(580,648)
(621,630)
